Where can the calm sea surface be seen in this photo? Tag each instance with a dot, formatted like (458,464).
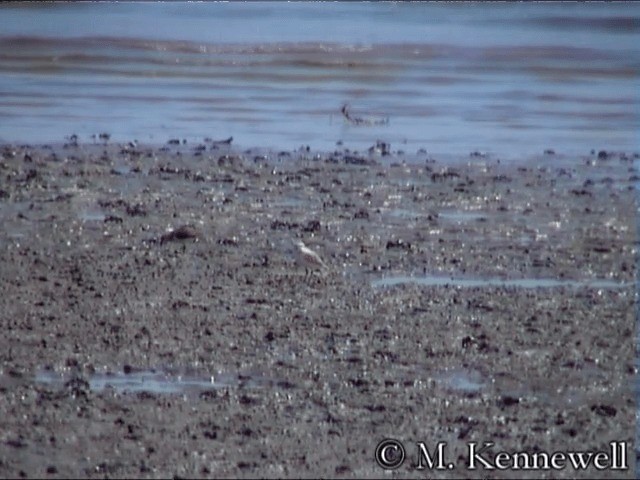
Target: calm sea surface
(511,79)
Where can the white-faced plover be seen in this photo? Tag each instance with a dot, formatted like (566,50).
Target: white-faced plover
(307,258)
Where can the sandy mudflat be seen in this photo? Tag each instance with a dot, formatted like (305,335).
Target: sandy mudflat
(530,345)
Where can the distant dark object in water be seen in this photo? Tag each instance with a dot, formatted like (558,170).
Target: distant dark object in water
(73,140)
(549,151)
(602,155)
(362,121)
(226,141)
(176,141)
(356,159)
(384,148)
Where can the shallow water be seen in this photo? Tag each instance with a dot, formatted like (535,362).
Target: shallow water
(439,281)
(451,78)
(154,381)
(93,216)
(462,380)
(461,216)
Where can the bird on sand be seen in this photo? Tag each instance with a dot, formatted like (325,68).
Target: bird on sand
(307,258)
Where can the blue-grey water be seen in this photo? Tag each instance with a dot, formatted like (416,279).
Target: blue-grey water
(510,78)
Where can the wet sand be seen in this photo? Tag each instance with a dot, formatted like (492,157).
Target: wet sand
(120,261)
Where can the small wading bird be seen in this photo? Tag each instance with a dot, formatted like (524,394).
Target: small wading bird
(307,258)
